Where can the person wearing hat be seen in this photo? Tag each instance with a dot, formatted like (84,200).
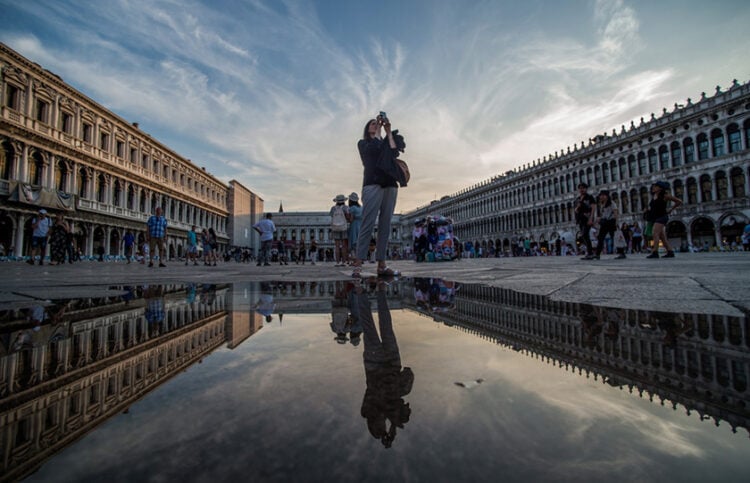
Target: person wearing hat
(339,229)
(355,221)
(606,216)
(584,213)
(659,213)
(40,226)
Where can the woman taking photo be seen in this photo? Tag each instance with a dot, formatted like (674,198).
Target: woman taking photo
(660,215)
(379,192)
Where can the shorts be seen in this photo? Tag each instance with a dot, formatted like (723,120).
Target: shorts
(193,249)
(340,235)
(662,220)
(39,242)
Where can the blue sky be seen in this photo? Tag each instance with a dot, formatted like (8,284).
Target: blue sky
(275,94)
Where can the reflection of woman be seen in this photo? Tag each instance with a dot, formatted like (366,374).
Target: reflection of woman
(379,192)
(387,381)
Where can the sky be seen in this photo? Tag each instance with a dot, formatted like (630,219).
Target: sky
(275,94)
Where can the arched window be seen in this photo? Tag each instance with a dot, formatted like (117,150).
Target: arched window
(678,189)
(634,198)
(36,166)
(702,146)
(689,147)
(746,126)
(653,167)
(722,187)
(645,197)
(642,169)
(632,166)
(676,154)
(663,157)
(116,193)
(623,168)
(154,204)
(738,183)
(717,142)
(624,205)
(598,174)
(7,155)
(101,188)
(83,183)
(735,138)
(692,191)
(142,202)
(706,188)
(613,170)
(131,198)
(61,175)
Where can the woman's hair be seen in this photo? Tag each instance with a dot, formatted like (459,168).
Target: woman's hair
(353,203)
(366,132)
(211,231)
(609,199)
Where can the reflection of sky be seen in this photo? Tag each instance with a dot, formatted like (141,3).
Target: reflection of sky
(285,404)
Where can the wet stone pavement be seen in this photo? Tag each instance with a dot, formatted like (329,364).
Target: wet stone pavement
(536,369)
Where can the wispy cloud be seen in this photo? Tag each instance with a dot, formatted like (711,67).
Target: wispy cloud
(267,93)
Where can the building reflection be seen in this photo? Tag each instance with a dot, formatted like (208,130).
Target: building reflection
(698,361)
(60,379)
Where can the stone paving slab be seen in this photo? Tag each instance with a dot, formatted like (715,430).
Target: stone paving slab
(700,282)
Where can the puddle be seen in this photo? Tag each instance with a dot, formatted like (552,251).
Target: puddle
(402,380)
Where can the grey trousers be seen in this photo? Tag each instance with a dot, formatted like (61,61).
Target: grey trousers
(377,203)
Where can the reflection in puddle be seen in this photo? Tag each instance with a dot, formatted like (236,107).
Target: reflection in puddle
(66,366)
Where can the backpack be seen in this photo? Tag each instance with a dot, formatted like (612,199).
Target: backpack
(338,220)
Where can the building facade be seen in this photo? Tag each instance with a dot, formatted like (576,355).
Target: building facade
(245,209)
(61,151)
(307,225)
(701,148)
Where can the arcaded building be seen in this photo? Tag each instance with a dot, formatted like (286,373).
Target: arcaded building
(699,147)
(62,151)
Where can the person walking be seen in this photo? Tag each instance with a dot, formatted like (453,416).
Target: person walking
(157,232)
(584,212)
(637,238)
(266,229)
(379,193)
(339,230)
(606,216)
(128,242)
(213,246)
(355,222)
(40,226)
(58,240)
(660,215)
(301,252)
(192,249)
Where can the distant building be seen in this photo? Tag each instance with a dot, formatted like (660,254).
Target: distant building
(245,209)
(701,148)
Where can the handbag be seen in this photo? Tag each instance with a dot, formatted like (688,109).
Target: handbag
(620,239)
(404,170)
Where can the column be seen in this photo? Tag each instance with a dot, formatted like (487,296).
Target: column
(19,235)
(89,251)
(107,234)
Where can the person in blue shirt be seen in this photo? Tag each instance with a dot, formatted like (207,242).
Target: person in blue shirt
(192,248)
(157,232)
(355,221)
(129,241)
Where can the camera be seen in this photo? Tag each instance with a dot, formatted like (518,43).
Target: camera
(382,116)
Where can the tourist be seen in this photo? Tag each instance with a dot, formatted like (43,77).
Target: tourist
(266,229)
(301,252)
(355,222)
(313,250)
(637,238)
(58,240)
(40,226)
(157,232)
(606,216)
(584,204)
(379,193)
(660,215)
(192,246)
(339,230)
(213,245)
(128,241)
